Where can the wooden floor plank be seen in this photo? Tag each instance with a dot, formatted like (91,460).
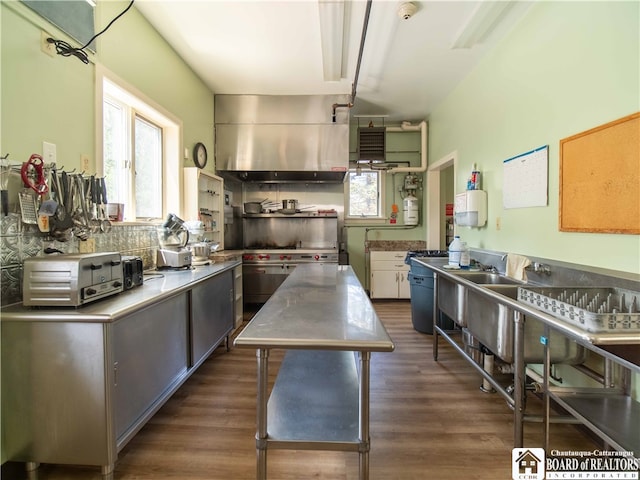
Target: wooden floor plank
(429,420)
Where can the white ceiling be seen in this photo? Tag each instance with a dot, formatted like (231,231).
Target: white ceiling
(272,47)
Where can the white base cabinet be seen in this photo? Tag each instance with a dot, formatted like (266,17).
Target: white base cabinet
(389,275)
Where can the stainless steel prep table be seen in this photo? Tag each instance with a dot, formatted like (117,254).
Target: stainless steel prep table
(115,361)
(321,313)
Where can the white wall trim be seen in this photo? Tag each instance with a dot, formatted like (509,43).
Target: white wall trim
(434,207)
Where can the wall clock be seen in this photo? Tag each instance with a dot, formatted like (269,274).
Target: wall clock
(200,155)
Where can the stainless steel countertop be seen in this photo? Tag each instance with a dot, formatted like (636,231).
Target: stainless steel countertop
(158,285)
(573,332)
(318,307)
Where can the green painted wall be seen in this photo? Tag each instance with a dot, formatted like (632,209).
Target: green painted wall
(52,99)
(400,147)
(567,67)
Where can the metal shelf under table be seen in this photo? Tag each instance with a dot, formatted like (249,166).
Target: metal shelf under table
(612,416)
(315,401)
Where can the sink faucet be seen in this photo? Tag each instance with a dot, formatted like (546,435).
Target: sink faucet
(539,268)
(485,268)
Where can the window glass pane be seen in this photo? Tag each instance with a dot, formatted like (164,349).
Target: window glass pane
(148,168)
(364,194)
(115,151)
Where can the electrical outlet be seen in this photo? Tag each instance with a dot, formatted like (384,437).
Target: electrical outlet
(48,152)
(87,246)
(498,223)
(84,162)
(46,47)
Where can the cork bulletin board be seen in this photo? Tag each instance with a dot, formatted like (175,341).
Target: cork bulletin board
(600,179)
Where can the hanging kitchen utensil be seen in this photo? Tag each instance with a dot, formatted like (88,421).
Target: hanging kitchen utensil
(61,222)
(55,228)
(80,217)
(28,207)
(48,206)
(32,174)
(94,222)
(4,184)
(105,224)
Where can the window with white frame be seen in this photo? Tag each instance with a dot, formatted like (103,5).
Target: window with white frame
(140,155)
(365,194)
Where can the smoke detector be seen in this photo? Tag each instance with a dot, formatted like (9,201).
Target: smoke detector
(407,10)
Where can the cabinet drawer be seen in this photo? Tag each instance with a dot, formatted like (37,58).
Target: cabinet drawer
(396,265)
(388,256)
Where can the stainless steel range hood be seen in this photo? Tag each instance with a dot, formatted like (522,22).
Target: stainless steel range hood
(282,139)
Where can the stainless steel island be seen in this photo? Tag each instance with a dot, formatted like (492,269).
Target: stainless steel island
(320,401)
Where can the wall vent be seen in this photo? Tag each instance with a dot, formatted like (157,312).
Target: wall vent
(371,144)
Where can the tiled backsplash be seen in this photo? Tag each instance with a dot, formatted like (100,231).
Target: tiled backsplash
(19,241)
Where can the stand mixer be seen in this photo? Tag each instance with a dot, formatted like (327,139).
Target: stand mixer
(200,247)
(173,236)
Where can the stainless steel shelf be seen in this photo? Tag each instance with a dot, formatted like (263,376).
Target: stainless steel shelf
(315,399)
(612,416)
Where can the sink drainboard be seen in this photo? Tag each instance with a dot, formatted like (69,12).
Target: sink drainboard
(594,309)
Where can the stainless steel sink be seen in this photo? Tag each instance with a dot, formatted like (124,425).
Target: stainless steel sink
(452,295)
(492,324)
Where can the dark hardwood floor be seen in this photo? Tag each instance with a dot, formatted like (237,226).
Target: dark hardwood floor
(429,420)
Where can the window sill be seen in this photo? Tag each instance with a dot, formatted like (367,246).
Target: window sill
(354,221)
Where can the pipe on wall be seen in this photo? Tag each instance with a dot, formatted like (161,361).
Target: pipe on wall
(407,127)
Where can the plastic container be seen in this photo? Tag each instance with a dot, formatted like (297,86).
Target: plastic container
(422,284)
(474,179)
(455,251)
(465,256)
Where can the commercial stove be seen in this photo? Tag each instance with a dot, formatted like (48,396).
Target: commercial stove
(264,270)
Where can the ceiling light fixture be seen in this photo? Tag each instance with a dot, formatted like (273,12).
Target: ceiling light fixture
(484,20)
(332,34)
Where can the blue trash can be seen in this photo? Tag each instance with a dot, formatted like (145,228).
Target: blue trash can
(421,284)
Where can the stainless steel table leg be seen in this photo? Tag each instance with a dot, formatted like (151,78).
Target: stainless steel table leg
(31,468)
(107,471)
(365,358)
(518,379)
(261,414)
(435,316)
(546,411)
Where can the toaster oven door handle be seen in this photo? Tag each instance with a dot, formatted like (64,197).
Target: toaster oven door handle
(115,263)
(95,266)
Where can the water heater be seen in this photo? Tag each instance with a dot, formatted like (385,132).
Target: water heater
(410,210)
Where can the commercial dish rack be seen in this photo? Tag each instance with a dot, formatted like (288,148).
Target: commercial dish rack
(594,309)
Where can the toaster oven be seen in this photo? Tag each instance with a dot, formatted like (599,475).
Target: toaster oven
(71,279)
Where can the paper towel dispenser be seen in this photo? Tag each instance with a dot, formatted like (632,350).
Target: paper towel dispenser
(470,209)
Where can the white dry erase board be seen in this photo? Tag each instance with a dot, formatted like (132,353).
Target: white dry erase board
(525,179)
